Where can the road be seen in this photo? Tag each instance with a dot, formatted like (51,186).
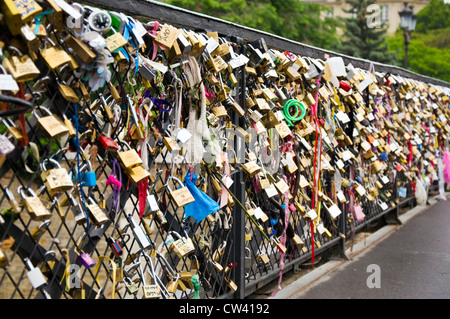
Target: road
(410,261)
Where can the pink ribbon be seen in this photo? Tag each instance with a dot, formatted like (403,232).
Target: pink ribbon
(154,33)
(224,192)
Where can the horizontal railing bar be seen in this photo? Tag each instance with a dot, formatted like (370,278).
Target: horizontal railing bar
(185,18)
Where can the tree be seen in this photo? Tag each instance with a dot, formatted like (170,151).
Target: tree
(429,53)
(429,49)
(364,34)
(292,19)
(435,15)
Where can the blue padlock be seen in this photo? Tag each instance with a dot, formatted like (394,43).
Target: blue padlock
(88,179)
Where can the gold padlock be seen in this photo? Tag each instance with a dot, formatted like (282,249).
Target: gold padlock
(17,13)
(137,173)
(56,179)
(33,204)
(67,93)
(182,246)
(181,196)
(20,66)
(97,215)
(51,124)
(129,158)
(54,56)
(171,144)
(12,129)
(251,168)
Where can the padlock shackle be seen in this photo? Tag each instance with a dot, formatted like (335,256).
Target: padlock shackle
(155,278)
(166,265)
(22,189)
(40,107)
(122,142)
(176,235)
(49,160)
(176,179)
(16,50)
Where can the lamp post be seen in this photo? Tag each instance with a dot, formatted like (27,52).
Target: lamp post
(408,24)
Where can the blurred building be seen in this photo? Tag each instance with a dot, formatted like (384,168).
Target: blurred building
(388,10)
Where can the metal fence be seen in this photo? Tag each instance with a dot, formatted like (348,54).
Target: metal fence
(108,236)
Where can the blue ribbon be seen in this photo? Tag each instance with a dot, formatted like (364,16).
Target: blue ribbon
(38,20)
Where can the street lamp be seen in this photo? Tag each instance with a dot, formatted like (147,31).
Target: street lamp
(408,24)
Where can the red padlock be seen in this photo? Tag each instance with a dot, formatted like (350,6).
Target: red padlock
(345,86)
(108,143)
(115,247)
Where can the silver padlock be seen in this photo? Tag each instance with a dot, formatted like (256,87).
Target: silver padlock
(36,277)
(139,234)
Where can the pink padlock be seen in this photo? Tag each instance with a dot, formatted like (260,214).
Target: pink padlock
(86,260)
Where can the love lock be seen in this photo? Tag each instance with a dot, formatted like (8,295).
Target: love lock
(88,179)
(181,196)
(182,246)
(33,204)
(51,124)
(149,291)
(56,179)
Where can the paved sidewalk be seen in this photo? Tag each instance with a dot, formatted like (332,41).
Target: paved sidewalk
(407,261)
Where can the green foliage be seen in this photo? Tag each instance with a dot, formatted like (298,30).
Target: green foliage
(292,19)
(428,54)
(429,49)
(434,15)
(362,39)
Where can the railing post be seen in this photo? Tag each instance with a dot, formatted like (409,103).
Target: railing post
(238,189)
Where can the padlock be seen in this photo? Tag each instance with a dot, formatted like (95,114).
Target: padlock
(277,243)
(263,258)
(4,261)
(54,56)
(86,175)
(139,234)
(333,210)
(132,287)
(51,124)
(251,168)
(20,66)
(8,81)
(18,13)
(40,230)
(84,258)
(33,204)
(230,283)
(115,247)
(182,246)
(35,275)
(258,213)
(107,143)
(12,200)
(96,214)
(67,92)
(129,158)
(55,179)
(298,241)
(151,291)
(77,211)
(181,196)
